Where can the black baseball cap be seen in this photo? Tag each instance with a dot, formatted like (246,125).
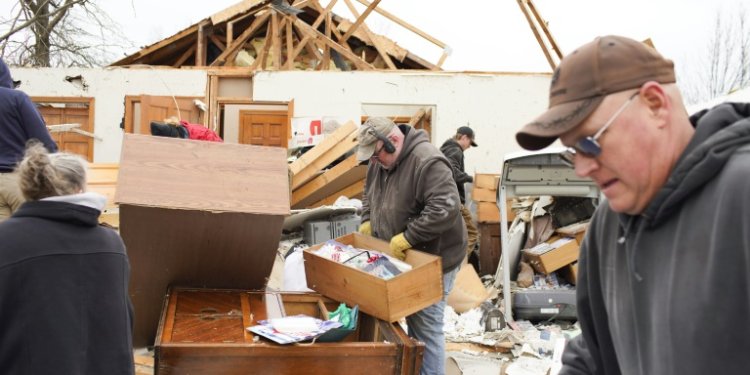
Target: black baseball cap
(465,130)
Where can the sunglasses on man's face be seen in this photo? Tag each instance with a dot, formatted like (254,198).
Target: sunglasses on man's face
(589,146)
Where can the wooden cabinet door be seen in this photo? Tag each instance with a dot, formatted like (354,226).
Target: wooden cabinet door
(264,128)
(69,141)
(159,108)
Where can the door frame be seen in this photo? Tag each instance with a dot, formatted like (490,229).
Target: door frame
(73,99)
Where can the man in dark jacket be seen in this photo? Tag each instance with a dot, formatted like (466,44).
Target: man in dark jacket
(663,285)
(410,199)
(453,149)
(19,122)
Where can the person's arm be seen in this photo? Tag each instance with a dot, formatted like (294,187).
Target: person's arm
(438,192)
(34,124)
(455,156)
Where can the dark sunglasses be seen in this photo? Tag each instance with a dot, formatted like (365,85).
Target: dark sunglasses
(589,146)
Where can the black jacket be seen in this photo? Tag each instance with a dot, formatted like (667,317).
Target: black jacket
(455,154)
(417,196)
(668,291)
(64,305)
(19,122)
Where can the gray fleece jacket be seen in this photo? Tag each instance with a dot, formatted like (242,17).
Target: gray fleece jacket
(417,196)
(668,291)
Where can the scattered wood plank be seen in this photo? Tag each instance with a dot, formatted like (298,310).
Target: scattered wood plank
(340,176)
(347,144)
(331,140)
(354,190)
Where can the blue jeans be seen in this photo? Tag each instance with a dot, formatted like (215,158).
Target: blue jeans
(427,326)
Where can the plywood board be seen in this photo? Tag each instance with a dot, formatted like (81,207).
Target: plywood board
(187,174)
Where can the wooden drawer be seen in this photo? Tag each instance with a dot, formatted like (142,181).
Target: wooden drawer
(202,331)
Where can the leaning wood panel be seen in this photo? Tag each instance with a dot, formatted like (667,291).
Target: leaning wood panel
(197,214)
(339,177)
(354,190)
(324,160)
(326,144)
(187,174)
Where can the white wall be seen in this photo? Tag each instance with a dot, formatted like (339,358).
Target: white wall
(109,86)
(495,105)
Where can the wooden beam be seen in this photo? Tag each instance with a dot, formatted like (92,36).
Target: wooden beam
(334,30)
(217,42)
(331,140)
(289,64)
(346,145)
(405,25)
(352,191)
(230,33)
(361,64)
(232,48)
(260,60)
(188,52)
(360,20)
(442,59)
(303,42)
(417,117)
(275,40)
(375,41)
(200,54)
(325,64)
(157,46)
(340,176)
(522,4)
(543,24)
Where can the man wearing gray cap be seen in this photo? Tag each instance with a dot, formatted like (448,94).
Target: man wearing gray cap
(663,285)
(411,200)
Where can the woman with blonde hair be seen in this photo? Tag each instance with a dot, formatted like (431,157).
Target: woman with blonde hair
(64,304)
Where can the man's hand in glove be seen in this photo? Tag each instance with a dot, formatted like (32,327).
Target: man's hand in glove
(365,228)
(399,244)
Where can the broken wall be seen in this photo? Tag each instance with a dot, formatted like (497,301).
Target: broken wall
(495,105)
(109,87)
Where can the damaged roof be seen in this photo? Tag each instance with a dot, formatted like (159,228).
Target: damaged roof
(281,35)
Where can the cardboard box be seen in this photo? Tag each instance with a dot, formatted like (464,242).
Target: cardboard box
(552,255)
(570,272)
(197,214)
(389,300)
(202,331)
(486,181)
(488,212)
(483,195)
(577,230)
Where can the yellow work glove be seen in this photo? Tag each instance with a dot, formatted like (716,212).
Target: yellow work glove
(365,228)
(399,244)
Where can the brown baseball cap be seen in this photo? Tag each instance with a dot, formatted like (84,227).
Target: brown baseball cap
(607,65)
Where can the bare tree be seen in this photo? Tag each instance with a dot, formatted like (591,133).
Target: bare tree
(59,33)
(724,65)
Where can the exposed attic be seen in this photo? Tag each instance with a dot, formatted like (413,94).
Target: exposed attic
(281,35)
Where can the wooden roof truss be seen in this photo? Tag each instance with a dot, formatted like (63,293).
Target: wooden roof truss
(280,35)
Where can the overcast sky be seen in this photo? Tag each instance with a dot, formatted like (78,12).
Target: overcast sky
(488,35)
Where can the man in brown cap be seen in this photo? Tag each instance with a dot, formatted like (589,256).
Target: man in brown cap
(663,286)
(411,201)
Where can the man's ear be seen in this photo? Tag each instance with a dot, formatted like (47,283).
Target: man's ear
(656,99)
